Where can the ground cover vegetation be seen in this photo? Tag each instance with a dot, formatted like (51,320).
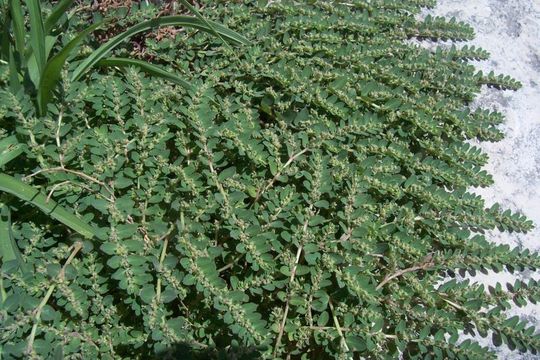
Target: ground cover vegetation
(261,180)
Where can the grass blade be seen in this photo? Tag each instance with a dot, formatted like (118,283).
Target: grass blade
(8,247)
(9,149)
(9,251)
(4,37)
(34,196)
(56,14)
(18,25)
(37,34)
(53,70)
(14,81)
(31,62)
(177,20)
(146,67)
(203,19)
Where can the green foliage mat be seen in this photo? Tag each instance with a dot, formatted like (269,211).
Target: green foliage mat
(308,200)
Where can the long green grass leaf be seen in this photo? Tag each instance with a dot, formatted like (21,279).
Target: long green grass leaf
(14,81)
(56,13)
(16,12)
(33,71)
(9,250)
(203,19)
(50,40)
(53,69)
(186,21)
(9,149)
(27,193)
(146,67)
(31,62)
(37,34)
(5,37)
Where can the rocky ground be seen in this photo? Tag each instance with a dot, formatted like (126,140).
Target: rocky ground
(510,31)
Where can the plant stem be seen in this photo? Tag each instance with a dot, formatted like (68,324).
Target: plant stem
(286,311)
(291,279)
(161,259)
(338,328)
(424,265)
(53,189)
(74,172)
(278,174)
(37,317)
(57,135)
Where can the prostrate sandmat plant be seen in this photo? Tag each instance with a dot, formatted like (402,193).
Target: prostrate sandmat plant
(304,198)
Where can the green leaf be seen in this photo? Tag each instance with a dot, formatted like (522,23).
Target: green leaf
(227,173)
(8,247)
(176,324)
(323,319)
(377,325)
(146,67)
(203,19)
(108,248)
(322,204)
(5,37)
(56,14)
(168,295)
(177,20)
(14,81)
(28,193)
(316,220)
(18,25)
(53,69)
(147,294)
(297,301)
(58,353)
(37,33)
(9,149)
(356,343)
(49,44)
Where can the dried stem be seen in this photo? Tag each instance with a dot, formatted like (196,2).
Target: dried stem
(55,186)
(424,265)
(75,172)
(53,189)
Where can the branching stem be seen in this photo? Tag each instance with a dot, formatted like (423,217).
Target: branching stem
(74,172)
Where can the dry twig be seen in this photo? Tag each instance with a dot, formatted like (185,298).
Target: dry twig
(426,263)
